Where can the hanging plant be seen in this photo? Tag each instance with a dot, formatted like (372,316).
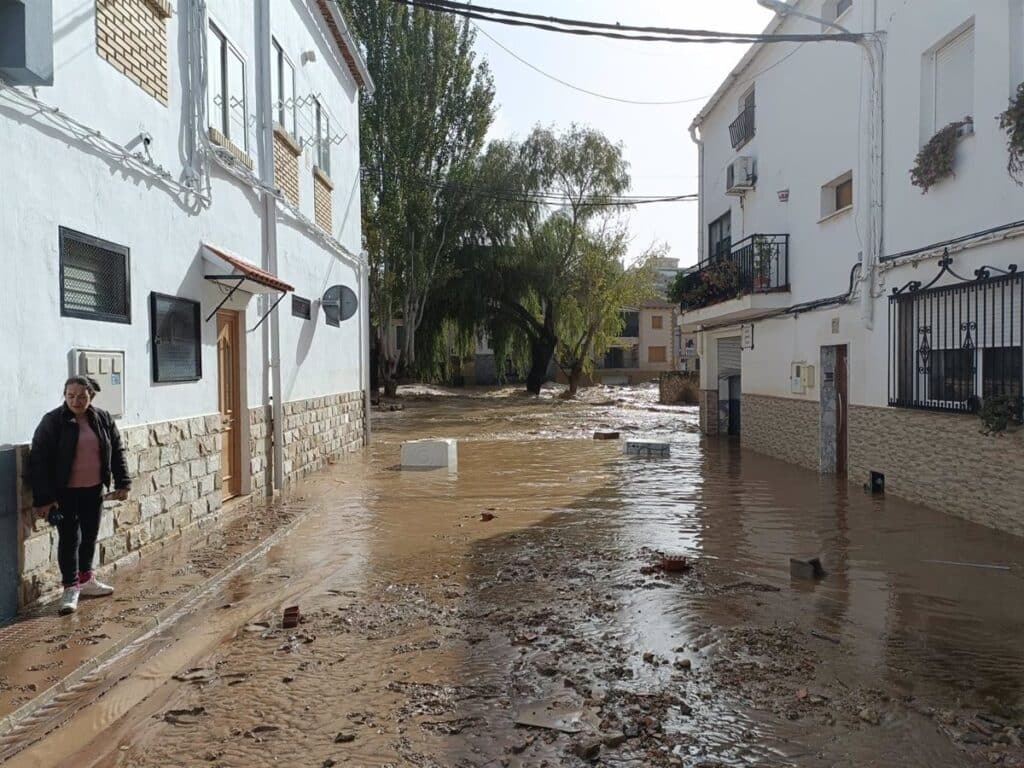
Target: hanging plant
(1012,121)
(997,413)
(935,160)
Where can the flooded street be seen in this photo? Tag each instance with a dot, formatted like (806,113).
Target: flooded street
(440,609)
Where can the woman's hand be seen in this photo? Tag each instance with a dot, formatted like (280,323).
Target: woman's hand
(42,512)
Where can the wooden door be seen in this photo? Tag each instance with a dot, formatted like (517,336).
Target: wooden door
(842,400)
(231,409)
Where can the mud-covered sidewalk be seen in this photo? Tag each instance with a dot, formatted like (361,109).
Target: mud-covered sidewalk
(509,614)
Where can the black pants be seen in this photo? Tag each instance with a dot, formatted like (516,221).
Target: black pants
(76,541)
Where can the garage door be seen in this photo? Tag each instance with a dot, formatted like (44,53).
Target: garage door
(728,357)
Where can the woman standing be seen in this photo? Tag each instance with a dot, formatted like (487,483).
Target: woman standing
(76,451)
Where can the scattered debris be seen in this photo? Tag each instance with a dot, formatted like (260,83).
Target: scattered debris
(806,569)
(674,564)
(486,516)
(606,435)
(344,737)
(291,617)
(551,714)
(970,565)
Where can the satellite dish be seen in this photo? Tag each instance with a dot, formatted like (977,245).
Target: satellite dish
(339,303)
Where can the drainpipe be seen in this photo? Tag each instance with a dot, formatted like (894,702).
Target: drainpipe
(268,204)
(364,340)
(700,232)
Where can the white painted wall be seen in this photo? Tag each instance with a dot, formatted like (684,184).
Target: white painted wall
(810,119)
(54,180)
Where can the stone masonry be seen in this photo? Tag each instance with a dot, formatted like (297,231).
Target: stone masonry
(261,442)
(323,190)
(785,428)
(319,429)
(678,387)
(132,36)
(708,402)
(175,471)
(943,461)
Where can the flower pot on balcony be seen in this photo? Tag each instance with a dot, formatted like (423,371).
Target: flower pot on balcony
(761,283)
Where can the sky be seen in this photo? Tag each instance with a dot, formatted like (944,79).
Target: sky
(656,139)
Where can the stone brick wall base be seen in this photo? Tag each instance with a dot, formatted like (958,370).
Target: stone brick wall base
(782,427)
(678,387)
(943,461)
(318,429)
(708,402)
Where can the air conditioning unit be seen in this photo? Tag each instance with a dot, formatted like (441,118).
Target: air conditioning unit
(740,175)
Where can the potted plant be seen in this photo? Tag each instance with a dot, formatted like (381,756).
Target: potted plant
(935,160)
(1012,121)
(997,413)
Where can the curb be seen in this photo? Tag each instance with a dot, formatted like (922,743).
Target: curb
(152,623)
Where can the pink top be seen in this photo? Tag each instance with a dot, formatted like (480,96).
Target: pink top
(85,470)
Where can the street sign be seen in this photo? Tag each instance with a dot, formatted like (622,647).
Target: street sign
(747,336)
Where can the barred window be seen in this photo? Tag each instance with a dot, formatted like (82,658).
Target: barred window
(300,307)
(176,337)
(952,346)
(93,278)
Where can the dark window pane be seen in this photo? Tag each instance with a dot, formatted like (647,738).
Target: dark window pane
(1001,372)
(176,338)
(952,375)
(844,194)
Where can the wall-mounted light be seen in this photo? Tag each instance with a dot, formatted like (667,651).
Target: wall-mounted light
(307,56)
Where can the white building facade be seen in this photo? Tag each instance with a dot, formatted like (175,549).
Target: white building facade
(846,321)
(181,209)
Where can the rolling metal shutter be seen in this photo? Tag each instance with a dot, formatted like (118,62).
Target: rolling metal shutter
(729,357)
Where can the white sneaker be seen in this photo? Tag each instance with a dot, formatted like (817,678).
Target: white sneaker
(69,601)
(95,588)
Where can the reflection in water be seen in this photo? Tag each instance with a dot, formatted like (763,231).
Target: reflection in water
(427,626)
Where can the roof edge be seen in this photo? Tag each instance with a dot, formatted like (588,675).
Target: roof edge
(347,45)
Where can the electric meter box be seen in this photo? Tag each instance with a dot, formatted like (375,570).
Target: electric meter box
(107,367)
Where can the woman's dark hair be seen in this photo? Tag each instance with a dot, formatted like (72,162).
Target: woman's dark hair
(91,385)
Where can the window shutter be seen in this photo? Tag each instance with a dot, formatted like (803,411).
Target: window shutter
(954,80)
(94,278)
(729,357)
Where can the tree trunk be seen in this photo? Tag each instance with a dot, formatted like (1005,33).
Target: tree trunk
(575,373)
(541,351)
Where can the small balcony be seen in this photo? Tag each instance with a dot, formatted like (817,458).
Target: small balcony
(741,130)
(741,280)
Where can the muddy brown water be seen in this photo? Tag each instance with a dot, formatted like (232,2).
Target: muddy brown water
(427,629)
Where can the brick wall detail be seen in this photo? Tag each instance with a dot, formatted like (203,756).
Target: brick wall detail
(783,427)
(708,402)
(132,36)
(286,165)
(320,429)
(323,191)
(943,461)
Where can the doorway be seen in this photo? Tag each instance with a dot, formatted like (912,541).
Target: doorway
(231,410)
(835,400)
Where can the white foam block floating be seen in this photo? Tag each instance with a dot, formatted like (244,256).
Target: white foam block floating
(646,448)
(430,454)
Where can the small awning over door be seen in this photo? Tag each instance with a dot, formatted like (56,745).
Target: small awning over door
(729,357)
(231,271)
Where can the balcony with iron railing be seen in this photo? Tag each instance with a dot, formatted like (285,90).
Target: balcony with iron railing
(739,279)
(741,130)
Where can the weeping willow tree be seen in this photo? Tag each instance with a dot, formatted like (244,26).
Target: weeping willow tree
(421,135)
(521,262)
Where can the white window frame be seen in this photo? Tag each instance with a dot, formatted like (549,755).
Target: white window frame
(284,115)
(828,196)
(930,84)
(322,133)
(223,123)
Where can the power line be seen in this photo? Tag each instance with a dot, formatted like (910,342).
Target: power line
(614,31)
(558,80)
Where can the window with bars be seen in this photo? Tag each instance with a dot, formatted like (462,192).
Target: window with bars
(953,346)
(301,307)
(94,281)
(176,333)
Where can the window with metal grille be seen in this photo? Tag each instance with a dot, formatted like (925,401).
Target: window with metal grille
(954,345)
(94,280)
(176,336)
(300,307)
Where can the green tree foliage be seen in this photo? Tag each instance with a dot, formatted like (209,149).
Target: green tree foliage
(522,263)
(421,135)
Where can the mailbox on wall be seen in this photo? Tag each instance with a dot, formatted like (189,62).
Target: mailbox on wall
(107,368)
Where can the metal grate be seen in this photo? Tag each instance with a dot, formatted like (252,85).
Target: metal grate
(93,278)
(300,307)
(953,346)
(177,346)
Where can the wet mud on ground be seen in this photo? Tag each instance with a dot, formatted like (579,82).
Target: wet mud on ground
(439,610)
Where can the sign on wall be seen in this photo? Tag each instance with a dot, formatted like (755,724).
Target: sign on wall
(747,336)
